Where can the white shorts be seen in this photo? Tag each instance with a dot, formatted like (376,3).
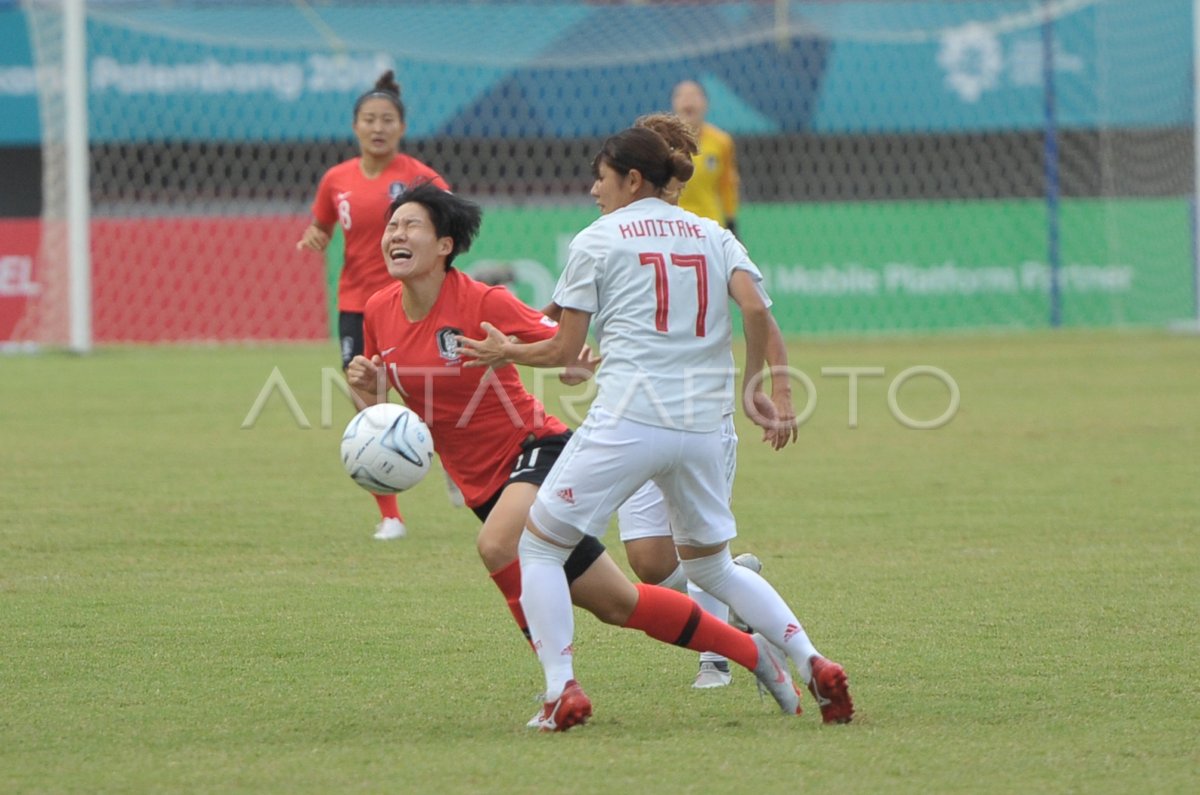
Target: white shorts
(645,514)
(608,459)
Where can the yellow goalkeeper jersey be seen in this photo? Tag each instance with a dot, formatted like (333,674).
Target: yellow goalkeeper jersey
(713,189)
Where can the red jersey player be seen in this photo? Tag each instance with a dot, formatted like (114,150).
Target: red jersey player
(356,194)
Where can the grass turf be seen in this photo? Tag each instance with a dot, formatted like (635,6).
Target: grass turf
(190,605)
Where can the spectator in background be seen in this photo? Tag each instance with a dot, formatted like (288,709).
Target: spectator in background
(712,192)
(357,194)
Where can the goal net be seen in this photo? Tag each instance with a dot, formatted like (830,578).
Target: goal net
(904,165)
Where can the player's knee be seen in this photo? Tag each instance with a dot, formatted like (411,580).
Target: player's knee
(653,560)
(653,571)
(616,608)
(711,572)
(495,549)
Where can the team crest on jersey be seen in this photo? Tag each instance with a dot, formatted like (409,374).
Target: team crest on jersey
(395,189)
(447,343)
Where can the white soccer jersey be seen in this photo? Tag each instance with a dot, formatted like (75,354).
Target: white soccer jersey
(656,280)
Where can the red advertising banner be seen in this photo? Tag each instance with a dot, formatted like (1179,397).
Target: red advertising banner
(19,240)
(174,280)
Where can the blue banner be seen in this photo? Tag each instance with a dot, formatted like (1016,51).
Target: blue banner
(275,72)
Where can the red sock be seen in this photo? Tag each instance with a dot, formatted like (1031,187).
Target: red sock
(508,580)
(388,507)
(671,617)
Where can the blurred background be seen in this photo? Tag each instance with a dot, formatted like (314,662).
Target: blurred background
(905,166)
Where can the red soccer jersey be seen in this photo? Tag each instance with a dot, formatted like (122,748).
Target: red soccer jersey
(346,196)
(478,425)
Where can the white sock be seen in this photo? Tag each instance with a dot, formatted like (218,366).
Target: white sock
(676,580)
(756,602)
(712,605)
(546,600)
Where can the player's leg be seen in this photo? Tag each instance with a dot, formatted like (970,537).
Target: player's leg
(350,338)
(671,617)
(391,523)
(504,516)
(503,521)
(575,489)
(709,602)
(546,601)
(453,492)
(714,669)
(729,447)
(703,526)
(645,527)
(597,470)
(600,469)
(761,606)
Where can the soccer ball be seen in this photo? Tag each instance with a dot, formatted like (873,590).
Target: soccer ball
(387,448)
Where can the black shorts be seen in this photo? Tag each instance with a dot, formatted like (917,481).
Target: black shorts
(533,465)
(350,335)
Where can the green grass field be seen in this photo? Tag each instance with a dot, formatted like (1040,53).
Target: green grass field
(190,606)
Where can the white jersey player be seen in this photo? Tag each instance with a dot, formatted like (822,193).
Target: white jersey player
(657,280)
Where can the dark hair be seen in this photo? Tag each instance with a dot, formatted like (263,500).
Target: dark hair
(387,88)
(648,152)
(452,216)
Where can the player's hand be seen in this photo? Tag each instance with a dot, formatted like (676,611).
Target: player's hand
(313,239)
(580,370)
(487,352)
(365,374)
(785,416)
(763,413)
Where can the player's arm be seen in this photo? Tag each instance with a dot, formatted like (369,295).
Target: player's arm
(517,320)
(367,379)
(755,325)
(561,350)
(584,366)
(576,293)
(366,374)
(781,384)
(319,231)
(316,236)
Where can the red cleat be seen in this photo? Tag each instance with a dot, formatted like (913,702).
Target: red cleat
(572,708)
(830,688)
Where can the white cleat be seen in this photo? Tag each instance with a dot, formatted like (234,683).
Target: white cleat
(773,676)
(750,561)
(455,494)
(712,673)
(389,529)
